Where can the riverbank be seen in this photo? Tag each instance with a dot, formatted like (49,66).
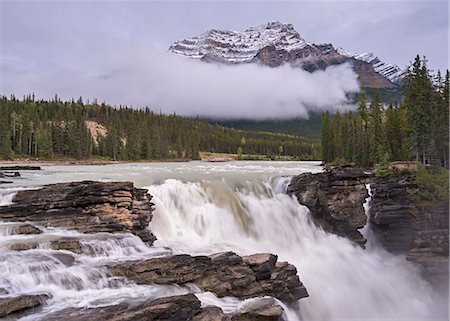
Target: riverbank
(206,157)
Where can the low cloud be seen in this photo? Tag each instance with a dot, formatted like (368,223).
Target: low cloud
(172,84)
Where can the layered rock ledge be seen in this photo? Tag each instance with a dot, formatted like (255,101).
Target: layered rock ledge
(16,304)
(86,206)
(402,226)
(173,308)
(225,274)
(335,198)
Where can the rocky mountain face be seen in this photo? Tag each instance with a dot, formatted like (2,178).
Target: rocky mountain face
(276,43)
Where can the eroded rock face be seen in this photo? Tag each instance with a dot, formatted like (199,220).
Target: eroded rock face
(419,232)
(10,305)
(173,308)
(392,212)
(27,229)
(225,274)
(85,206)
(335,199)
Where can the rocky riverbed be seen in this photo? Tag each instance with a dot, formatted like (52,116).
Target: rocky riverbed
(216,226)
(118,207)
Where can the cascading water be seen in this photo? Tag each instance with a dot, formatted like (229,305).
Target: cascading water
(344,281)
(204,208)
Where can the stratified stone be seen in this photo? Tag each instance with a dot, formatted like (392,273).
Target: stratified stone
(335,199)
(263,310)
(27,229)
(9,305)
(402,226)
(174,308)
(225,274)
(68,244)
(89,207)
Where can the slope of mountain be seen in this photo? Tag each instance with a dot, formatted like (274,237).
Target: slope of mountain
(276,43)
(308,128)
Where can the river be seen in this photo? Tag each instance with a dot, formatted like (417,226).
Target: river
(202,208)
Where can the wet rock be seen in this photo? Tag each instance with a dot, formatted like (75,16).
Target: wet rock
(173,308)
(263,310)
(392,212)
(3,291)
(225,274)
(9,174)
(68,244)
(262,264)
(23,246)
(9,305)
(66,259)
(89,207)
(27,229)
(20,168)
(418,232)
(335,199)
(211,313)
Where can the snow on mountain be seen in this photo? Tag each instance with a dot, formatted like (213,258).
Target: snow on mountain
(240,47)
(275,43)
(389,71)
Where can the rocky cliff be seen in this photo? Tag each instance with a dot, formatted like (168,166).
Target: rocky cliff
(418,231)
(335,198)
(276,43)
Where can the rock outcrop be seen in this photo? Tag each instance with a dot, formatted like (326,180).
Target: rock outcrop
(14,304)
(85,206)
(173,308)
(20,168)
(402,226)
(335,198)
(225,274)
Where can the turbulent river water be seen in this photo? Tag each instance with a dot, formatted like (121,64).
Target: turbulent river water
(202,208)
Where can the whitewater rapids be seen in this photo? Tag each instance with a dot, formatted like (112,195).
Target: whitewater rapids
(202,208)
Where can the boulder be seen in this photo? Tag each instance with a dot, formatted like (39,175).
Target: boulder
(89,207)
(68,244)
(27,229)
(265,309)
(225,274)
(9,305)
(335,198)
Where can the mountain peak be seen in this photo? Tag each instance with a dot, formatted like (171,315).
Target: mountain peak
(276,43)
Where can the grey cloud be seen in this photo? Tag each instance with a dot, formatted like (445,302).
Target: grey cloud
(163,81)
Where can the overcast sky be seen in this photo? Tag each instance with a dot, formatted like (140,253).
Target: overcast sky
(41,40)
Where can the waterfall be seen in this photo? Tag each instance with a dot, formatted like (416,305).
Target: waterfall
(203,208)
(344,281)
